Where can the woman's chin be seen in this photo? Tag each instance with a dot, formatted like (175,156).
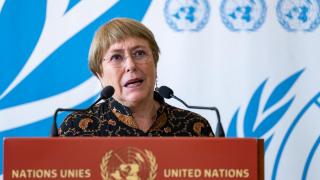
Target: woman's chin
(135,98)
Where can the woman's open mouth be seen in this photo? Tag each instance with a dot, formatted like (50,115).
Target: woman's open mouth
(133,82)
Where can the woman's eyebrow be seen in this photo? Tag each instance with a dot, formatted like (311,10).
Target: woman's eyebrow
(120,49)
(137,46)
(116,49)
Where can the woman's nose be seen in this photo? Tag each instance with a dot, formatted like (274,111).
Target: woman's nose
(130,65)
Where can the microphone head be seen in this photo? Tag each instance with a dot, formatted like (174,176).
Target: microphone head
(165,92)
(107,92)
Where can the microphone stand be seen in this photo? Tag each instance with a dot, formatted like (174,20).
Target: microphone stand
(219,128)
(54,128)
(106,93)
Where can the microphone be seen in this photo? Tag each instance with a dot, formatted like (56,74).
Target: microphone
(106,93)
(167,93)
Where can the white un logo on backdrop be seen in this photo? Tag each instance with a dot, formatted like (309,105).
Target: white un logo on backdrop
(190,15)
(240,15)
(299,15)
(247,122)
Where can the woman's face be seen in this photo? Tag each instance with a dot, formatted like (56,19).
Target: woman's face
(129,67)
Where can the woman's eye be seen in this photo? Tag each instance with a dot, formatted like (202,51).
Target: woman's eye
(116,57)
(139,54)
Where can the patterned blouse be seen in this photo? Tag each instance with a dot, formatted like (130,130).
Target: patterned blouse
(111,118)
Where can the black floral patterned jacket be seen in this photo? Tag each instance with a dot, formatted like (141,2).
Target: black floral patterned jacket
(111,118)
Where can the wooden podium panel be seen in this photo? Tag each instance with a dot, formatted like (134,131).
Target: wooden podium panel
(133,158)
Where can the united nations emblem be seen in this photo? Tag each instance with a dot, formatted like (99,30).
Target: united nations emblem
(128,163)
(243,15)
(299,15)
(187,15)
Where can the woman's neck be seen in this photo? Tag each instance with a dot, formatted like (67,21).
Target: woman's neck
(145,114)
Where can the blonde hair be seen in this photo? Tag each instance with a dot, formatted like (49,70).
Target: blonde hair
(115,31)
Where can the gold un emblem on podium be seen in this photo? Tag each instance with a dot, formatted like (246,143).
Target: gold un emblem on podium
(128,163)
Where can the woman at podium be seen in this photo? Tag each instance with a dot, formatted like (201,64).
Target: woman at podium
(124,54)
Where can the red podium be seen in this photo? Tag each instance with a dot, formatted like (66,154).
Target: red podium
(133,158)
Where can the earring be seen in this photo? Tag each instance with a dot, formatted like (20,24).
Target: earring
(156,88)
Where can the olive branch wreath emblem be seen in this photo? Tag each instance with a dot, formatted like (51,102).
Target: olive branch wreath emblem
(271,115)
(152,160)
